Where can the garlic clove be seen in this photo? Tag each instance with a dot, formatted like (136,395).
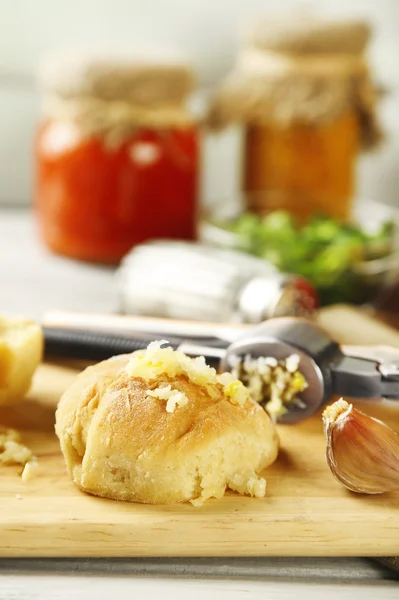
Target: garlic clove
(362,452)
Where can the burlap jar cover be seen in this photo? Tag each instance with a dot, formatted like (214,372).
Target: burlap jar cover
(112,96)
(302,71)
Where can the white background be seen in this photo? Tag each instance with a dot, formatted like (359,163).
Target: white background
(207,32)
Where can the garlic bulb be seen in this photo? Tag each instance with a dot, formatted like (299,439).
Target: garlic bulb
(362,452)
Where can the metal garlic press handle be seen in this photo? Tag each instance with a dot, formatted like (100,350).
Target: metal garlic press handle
(375,365)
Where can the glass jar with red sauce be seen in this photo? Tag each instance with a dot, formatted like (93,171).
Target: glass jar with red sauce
(117,157)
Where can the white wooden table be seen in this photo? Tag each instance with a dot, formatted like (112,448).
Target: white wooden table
(33,281)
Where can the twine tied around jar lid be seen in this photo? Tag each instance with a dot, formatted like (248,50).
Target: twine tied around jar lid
(303,71)
(112,96)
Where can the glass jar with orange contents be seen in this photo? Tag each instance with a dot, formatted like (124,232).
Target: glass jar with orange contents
(117,156)
(302,90)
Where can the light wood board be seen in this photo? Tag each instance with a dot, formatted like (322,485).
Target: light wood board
(305,513)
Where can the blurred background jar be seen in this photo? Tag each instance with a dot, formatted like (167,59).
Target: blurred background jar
(302,90)
(117,155)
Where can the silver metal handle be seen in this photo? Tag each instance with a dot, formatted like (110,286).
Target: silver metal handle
(368,372)
(379,353)
(131,325)
(210,352)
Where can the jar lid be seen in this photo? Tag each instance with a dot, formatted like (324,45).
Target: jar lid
(142,80)
(309,36)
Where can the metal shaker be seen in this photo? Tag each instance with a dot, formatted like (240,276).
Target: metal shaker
(195,281)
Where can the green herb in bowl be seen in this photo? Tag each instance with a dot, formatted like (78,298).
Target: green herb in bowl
(329,253)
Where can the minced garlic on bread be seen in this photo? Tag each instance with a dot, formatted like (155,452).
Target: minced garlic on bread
(21,348)
(159,427)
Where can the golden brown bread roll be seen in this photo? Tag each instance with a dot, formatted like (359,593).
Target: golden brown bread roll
(21,348)
(158,427)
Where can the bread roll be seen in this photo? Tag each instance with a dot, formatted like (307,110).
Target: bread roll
(158,427)
(21,348)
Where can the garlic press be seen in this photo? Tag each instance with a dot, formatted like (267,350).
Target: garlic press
(330,370)
(358,372)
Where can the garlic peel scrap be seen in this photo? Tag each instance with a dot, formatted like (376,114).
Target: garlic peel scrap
(362,452)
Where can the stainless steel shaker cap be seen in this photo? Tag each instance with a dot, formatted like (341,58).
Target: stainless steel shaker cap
(283,295)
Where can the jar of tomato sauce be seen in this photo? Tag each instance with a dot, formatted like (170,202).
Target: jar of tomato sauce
(117,156)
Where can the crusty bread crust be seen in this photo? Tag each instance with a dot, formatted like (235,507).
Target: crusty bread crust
(121,443)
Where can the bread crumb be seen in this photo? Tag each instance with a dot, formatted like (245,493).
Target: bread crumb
(12,451)
(197,502)
(18,496)
(30,470)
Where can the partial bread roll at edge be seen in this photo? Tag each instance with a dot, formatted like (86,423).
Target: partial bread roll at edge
(163,440)
(21,349)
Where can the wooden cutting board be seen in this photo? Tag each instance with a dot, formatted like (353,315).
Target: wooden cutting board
(306,512)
